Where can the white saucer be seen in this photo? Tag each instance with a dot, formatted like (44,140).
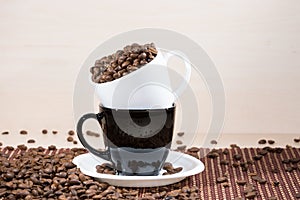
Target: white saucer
(191,166)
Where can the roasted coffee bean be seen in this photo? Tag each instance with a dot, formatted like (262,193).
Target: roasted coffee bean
(233,146)
(71,132)
(262,141)
(194,149)
(178,142)
(75,142)
(278,150)
(5,133)
(54,132)
(251,195)
(235,164)
(288,169)
(276,183)
(225,151)
(181,148)
(10,148)
(271,141)
(31,141)
(1,144)
(105,168)
(257,157)
(241,182)
(23,132)
(69,165)
(44,131)
(52,147)
(213,142)
(224,162)
(22,147)
(142,56)
(262,152)
(70,139)
(212,155)
(222,179)
(297,140)
(180,134)
(286,161)
(237,156)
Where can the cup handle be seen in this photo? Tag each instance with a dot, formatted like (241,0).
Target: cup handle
(99,116)
(188,70)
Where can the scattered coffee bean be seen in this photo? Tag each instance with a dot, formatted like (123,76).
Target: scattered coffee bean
(241,182)
(271,141)
(237,156)
(288,169)
(222,179)
(44,131)
(235,164)
(1,144)
(71,132)
(23,132)
(252,174)
(194,149)
(297,140)
(75,142)
(225,152)
(257,157)
(233,146)
(251,195)
(31,141)
(180,134)
(178,142)
(262,152)
(213,142)
(295,160)
(181,148)
(224,162)
(286,161)
(276,183)
(54,132)
(212,154)
(5,133)
(70,139)
(262,141)
(288,146)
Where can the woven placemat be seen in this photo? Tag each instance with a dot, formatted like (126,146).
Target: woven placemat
(281,174)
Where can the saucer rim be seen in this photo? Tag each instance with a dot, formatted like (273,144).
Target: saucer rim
(196,170)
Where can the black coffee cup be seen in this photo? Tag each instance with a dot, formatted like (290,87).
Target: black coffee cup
(137,140)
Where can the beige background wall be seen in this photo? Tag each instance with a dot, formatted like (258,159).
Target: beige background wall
(255,45)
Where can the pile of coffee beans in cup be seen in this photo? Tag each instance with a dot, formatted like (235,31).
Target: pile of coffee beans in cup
(122,62)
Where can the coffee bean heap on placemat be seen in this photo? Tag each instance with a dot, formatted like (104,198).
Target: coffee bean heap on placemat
(35,174)
(123,62)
